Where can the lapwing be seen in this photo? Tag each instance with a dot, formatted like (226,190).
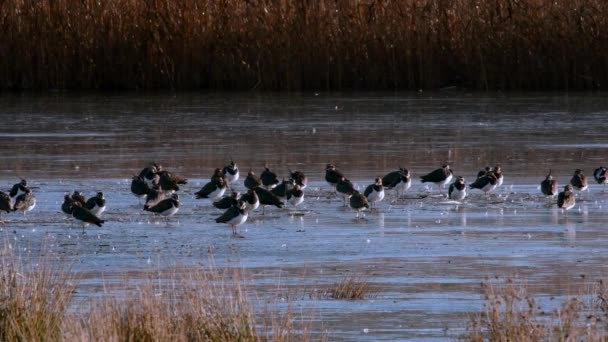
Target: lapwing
(168,181)
(251,200)
(149,172)
(457,190)
(497,170)
(154,197)
(566,199)
(549,186)
(96,204)
(212,190)
(231,172)
(234,216)
(267,198)
(79,198)
(5,203)
(358,202)
(486,183)
(281,190)
(139,187)
(346,188)
(600,175)
(269,178)
(218,176)
(167,207)
(252,181)
(579,181)
(18,189)
(332,176)
(440,176)
(85,216)
(399,180)
(483,172)
(67,205)
(299,178)
(295,195)
(227,201)
(374,192)
(25,202)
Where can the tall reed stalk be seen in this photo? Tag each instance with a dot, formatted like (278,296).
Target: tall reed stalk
(294,44)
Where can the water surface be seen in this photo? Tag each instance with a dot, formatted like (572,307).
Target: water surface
(425,255)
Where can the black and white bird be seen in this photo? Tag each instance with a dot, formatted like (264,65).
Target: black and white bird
(486,183)
(332,175)
(374,192)
(251,200)
(579,181)
(483,172)
(25,202)
(231,172)
(252,181)
(154,197)
(85,216)
(167,207)
(600,175)
(214,189)
(5,202)
(400,180)
(79,198)
(267,198)
(67,205)
(234,217)
(18,189)
(439,177)
(549,186)
(458,190)
(149,172)
(227,201)
(566,199)
(358,202)
(295,195)
(281,190)
(269,178)
(168,181)
(497,170)
(299,178)
(96,204)
(139,187)
(346,188)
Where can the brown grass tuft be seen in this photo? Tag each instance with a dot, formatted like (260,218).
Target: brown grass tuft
(511,314)
(170,305)
(34,296)
(354,286)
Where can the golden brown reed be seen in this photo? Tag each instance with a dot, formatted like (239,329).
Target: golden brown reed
(512,314)
(294,44)
(175,305)
(353,286)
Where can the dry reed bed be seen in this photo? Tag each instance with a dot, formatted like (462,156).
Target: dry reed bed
(512,314)
(173,305)
(293,44)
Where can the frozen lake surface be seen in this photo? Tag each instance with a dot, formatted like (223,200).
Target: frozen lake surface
(425,255)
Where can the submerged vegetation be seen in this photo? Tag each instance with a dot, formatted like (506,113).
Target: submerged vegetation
(293,45)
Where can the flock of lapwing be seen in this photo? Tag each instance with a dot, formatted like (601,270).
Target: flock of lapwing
(159,189)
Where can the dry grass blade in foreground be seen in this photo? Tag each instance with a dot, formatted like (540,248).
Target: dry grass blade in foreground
(173,305)
(34,296)
(511,314)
